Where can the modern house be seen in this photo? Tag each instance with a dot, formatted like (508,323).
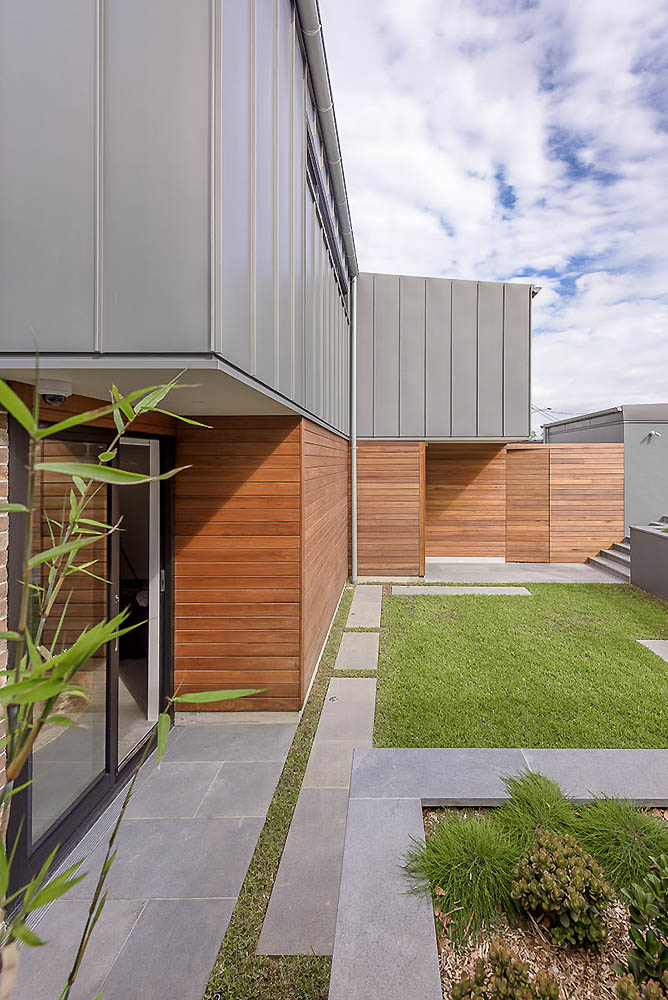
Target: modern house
(172,196)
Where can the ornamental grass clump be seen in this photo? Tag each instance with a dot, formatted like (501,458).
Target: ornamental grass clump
(502,977)
(536,803)
(564,887)
(467,865)
(622,838)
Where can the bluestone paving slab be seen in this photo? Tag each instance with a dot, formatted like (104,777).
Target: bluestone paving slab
(365,608)
(640,775)
(474,572)
(173,789)
(301,915)
(171,951)
(385,943)
(243,741)
(348,710)
(176,858)
(358,651)
(658,646)
(44,971)
(439,777)
(242,789)
(437,591)
(330,763)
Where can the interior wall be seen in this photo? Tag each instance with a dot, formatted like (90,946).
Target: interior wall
(466,500)
(325,464)
(237,561)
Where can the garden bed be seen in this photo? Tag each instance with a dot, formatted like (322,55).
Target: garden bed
(470,863)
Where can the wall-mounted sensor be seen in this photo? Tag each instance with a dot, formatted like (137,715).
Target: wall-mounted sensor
(54,392)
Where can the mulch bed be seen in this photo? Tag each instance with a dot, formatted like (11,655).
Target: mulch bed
(582,974)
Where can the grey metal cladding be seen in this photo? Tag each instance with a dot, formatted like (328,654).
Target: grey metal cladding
(298,223)
(438,296)
(365,288)
(386,356)
(446,359)
(412,345)
(287,186)
(516,360)
(47,116)
(264,249)
(156,85)
(235,197)
(490,360)
(464,387)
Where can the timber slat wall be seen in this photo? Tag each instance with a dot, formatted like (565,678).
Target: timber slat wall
(325,461)
(527,503)
(389,507)
(237,560)
(586,499)
(466,500)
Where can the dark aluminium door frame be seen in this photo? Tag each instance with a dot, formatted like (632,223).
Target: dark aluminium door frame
(83,812)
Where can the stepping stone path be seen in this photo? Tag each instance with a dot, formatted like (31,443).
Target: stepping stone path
(658,646)
(358,651)
(301,916)
(461,591)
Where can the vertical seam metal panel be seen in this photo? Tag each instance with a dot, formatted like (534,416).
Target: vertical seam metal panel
(213,185)
(477,358)
(451,353)
(98,176)
(503,361)
(252,194)
(276,193)
(293,202)
(373,357)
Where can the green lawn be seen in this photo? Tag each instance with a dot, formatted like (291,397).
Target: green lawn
(558,669)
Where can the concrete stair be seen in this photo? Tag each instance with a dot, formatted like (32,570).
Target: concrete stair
(617,559)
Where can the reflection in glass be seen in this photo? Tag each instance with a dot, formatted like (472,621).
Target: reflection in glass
(67,760)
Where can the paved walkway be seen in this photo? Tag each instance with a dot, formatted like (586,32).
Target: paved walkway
(516,573)
(183,851)
(658,646)
(365,608)
(437,591)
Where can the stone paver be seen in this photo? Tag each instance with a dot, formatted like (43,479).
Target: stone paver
(393,958)
(358,651)
(301,916)
(183,853)
(461,591)
(640,775)
(658,646)
(365,608)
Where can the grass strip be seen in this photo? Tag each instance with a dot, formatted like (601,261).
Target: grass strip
(238,973)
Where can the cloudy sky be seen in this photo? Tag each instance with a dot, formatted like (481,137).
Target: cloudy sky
(519,139)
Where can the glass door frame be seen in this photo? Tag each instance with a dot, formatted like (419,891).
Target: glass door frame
(80,815)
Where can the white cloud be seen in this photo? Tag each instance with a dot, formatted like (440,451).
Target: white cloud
(565,104)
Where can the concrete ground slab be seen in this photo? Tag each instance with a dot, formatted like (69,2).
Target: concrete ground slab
(385,944)
(242,788)
(358,651)
(461,591)
(301,915)
(365,608)
(640,775)
(232,742)
(516,573)
(329,764)
(658,646)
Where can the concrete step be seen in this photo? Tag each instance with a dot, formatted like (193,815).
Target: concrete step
(622,547)
(615,569)
(624,558)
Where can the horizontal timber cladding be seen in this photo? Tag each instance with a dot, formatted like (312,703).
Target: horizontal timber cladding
(325,466)
(466,500)
(442,359)
(390,522)
(238,560)
(586,499)
(527,504)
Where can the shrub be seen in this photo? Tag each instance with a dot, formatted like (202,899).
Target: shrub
(648,927)
(622,838)
(628,989)
(558,880)
(467,864)
(504,976)
(536,803)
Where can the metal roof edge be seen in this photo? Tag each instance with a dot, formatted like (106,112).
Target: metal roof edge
(585,416)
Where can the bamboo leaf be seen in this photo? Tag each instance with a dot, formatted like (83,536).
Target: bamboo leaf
(125,403)
(102,473)
(89,415)
(10,636)
(204,696)
(79,483)
(57,887)
(25,935)
(118,420)
(13,508)
(163,733)
(106,456)
(179,416)
(18,409)
(59,550)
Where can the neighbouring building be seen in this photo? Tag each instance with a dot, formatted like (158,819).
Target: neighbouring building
(172,196)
